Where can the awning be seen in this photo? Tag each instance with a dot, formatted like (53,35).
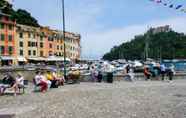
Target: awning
(21,59)
(7,58)
(54,58)
(37,59)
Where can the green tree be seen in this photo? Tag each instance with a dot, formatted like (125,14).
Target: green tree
(21,16)
(167,45)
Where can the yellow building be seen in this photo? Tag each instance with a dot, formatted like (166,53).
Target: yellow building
(73,47)
(27,40)
(37,43)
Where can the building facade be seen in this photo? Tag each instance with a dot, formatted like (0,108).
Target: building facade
(21,43)
(7,39)
(38,43)
(160,29)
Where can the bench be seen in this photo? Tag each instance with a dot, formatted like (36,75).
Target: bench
(3,87)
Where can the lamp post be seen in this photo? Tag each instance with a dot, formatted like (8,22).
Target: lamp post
(64,46)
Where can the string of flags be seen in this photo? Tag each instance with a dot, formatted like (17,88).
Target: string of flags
(168,3)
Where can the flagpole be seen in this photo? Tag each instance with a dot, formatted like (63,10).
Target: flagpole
(64,45)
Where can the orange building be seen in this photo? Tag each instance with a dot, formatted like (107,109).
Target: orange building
(7,39)
(21,43)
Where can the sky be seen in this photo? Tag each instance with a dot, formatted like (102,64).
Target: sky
(105,23)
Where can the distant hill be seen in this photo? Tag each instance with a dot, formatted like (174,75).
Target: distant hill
(162,44)
(22,16)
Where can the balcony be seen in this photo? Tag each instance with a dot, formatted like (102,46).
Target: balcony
(7,21)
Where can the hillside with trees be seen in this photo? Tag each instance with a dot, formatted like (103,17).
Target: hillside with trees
(164,45)
(21,16)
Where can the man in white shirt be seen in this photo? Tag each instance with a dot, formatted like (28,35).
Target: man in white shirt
(39,82)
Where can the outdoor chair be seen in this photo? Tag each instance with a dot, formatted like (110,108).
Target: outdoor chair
(37,88)
(25,82)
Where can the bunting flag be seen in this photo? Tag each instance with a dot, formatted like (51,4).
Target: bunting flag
(170,4)
(179,6)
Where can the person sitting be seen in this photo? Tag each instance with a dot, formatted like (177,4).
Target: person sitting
(45,80)
(52,79)
(8,82)
(8,79)
(59,77)
(18,83)
(76,74)
(39,82)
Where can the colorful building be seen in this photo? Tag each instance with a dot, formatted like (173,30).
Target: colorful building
(20,43)
(40,43)
(27,42)
(73,48)
(7,39)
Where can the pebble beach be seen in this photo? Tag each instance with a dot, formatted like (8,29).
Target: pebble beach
(140,99)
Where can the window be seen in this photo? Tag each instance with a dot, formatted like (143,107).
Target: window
(34,36)
(60,54)
(29,35)
(2,26)
(10,50)
(58,47)
(20,35)
(2,50)
(2,37)
(34,53)
(21,52)
(50,38)
(9,37)
(50,53)
(33,44)
(61,47)
(41,45)
(41,54)
(20,44)
(41,38)
(29,52)
(50,45)
(29,44)
(10,27)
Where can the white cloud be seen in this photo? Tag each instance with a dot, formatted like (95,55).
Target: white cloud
(82,17)
(97,43)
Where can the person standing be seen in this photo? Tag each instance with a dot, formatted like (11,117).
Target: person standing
(163,71)
(93,74)
(100,76)
(147,73)
(127,68)
(171,73)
